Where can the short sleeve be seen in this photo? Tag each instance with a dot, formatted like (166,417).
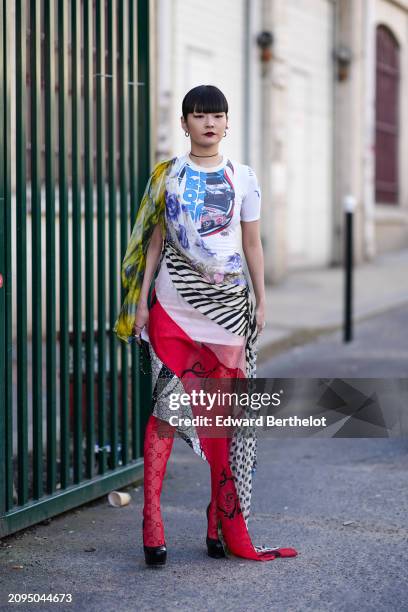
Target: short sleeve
(251,202)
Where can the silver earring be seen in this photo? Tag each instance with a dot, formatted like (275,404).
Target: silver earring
(225,133)
(187,133)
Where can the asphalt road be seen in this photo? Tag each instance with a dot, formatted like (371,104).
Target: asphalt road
(379,349)
(342,503)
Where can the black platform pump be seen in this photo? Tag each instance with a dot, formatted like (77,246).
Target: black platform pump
(155,555)
(215,548)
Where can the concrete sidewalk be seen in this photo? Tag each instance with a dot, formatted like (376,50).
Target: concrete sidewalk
(308,303)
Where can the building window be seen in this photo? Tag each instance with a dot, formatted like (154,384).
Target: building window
(387,117)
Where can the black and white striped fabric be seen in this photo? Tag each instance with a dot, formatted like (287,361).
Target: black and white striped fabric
(231,306)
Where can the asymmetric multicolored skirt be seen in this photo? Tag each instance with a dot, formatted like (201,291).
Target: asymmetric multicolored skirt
(181,363)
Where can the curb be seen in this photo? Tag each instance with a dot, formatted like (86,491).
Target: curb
(306,335)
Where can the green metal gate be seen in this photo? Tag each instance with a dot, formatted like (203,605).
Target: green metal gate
(74,160)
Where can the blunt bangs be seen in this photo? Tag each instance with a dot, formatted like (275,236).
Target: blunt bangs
(204,99)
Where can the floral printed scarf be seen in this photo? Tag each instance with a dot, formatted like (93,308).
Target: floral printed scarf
(150,213)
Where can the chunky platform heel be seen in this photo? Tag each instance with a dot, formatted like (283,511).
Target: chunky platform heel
(155,555)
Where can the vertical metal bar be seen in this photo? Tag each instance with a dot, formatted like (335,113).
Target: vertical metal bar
(7,281)
(143,43)
(348,276)
(2,269)
(50,240)
(133,96)
(21,250)
(113,272)
(89,240)
(63,230)
(144,161)
(76,236)
(246,91)
(100,171)
(123,98)
(35,94)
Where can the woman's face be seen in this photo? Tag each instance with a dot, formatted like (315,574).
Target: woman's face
(200,124)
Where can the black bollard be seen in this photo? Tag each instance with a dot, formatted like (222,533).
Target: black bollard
(349,206)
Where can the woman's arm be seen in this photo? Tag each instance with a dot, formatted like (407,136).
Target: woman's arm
(253,251)
(152,259)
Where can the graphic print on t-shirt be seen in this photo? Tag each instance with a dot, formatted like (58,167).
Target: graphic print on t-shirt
(209,197)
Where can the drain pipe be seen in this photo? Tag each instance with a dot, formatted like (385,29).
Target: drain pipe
(246,84)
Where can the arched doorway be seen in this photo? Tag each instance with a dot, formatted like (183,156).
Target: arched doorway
(387,117)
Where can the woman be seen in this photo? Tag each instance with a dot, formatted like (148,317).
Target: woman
(202,324)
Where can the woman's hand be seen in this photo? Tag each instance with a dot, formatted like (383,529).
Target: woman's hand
(141,320)
(260,317)
(152,259)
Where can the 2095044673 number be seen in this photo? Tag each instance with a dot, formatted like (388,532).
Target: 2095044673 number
(39,597)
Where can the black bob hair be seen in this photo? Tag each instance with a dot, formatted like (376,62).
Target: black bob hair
(204,99)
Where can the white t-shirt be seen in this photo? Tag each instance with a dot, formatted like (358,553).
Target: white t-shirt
(218,198)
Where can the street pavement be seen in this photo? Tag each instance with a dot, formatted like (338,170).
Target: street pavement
(342,503)
(379,348)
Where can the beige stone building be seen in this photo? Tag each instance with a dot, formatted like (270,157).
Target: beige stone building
(316,108)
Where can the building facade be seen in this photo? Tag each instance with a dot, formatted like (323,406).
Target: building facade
(317,113)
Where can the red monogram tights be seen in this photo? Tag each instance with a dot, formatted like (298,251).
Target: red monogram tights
(158,442)
(212,530)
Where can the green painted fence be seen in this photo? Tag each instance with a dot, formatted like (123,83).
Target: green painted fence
(73,167)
